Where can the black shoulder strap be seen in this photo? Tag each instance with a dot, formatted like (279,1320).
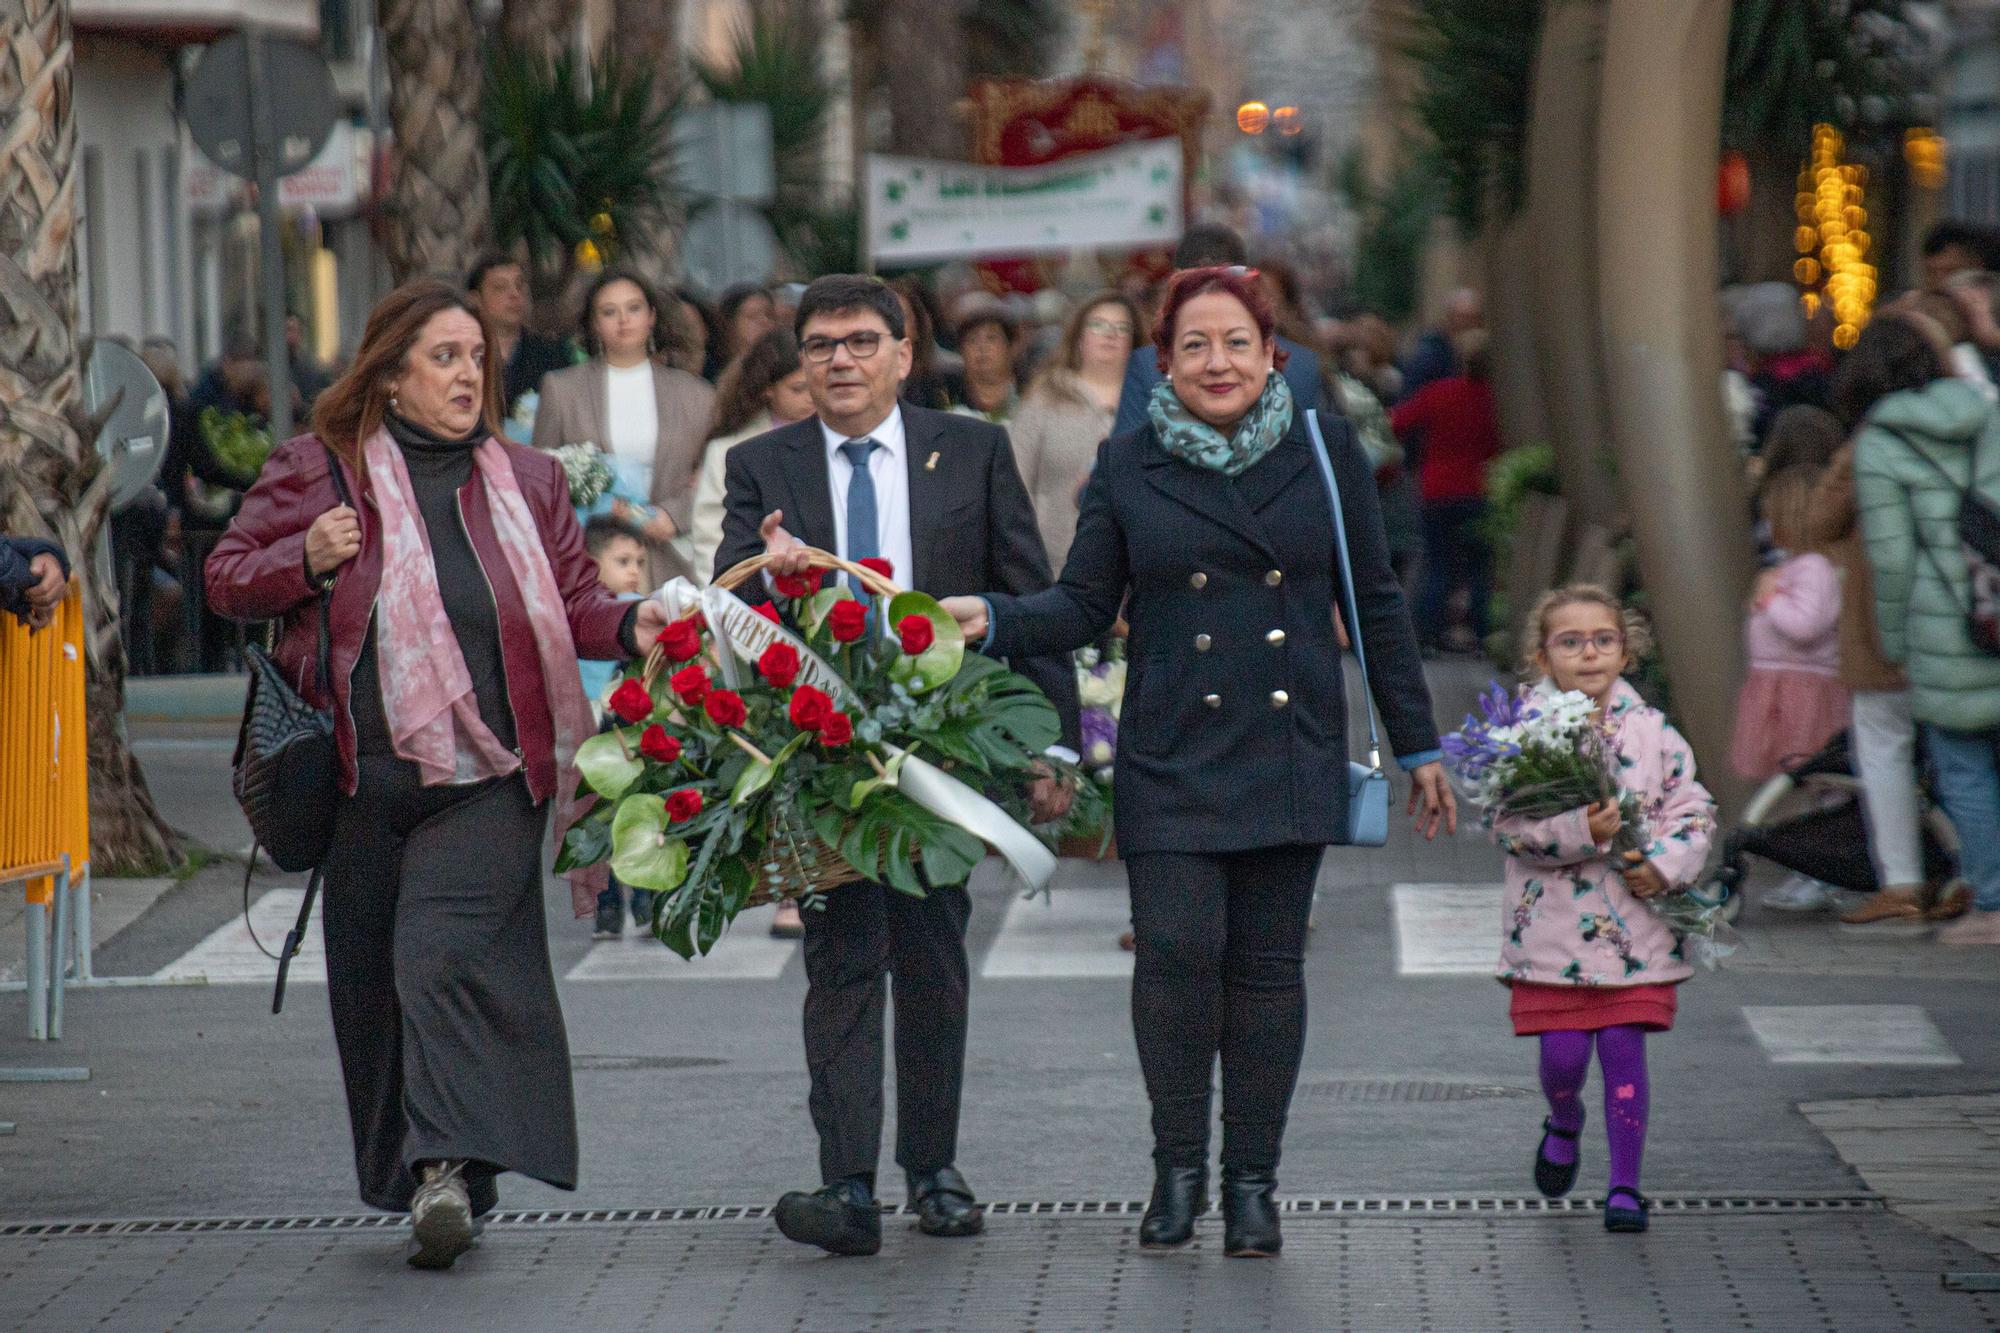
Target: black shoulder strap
(1965,494)
(295,938)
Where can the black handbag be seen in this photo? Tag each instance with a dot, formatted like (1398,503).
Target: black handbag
(286,770)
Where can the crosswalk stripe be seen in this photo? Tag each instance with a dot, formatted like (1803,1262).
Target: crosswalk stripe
(229,957)
(746,951)
(1849,1034)
(1069,933)
(1446,929)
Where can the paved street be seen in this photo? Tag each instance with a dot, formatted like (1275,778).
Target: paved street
(1823,1142)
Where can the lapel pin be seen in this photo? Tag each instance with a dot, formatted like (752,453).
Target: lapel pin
(930,464)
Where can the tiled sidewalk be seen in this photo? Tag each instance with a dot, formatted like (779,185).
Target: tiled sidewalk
(1935,1159)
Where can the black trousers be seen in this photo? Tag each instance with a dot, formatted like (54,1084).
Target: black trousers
(864,934)
(444,1006)
(1220,970)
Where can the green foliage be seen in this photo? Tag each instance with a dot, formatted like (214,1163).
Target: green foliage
(237,442)
(1849,63)
(562,152)
(1511,478)
(1475,63)
(819,240)
(1394,224)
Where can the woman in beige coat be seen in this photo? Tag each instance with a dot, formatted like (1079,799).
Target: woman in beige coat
(630,403)
(1069,410)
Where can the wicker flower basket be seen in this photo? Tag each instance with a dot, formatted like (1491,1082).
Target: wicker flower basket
(798,861)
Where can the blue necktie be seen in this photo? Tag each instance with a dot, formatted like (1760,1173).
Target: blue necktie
(863,540)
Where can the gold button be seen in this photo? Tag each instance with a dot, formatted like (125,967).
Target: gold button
(1279,698)
(1275,638)
(1202,642)
(1197,580)
(1212,700)
(1274,578)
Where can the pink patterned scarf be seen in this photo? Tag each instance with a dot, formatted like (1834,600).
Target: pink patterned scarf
(427,692)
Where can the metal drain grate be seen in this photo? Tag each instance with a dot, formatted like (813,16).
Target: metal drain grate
(1403,1090)
(591,1063)
(1352,1206)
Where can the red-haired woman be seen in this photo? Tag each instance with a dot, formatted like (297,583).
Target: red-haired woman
(1211,525)
(459,600)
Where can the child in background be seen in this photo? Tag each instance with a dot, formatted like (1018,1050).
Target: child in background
(1792,702)
(621,568)
(1587,963)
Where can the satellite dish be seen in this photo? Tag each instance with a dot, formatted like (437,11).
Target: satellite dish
(134,438)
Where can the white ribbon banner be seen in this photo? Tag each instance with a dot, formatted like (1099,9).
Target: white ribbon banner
(745,635)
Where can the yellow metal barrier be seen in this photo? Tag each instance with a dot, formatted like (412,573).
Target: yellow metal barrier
(44,794)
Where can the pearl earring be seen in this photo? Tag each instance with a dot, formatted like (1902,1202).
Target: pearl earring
(392,400)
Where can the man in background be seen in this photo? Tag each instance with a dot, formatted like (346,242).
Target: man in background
(498,286)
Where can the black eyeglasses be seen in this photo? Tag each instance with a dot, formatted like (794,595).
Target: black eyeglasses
(861,344)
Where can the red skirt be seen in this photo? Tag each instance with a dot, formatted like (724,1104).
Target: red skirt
(1537,1008)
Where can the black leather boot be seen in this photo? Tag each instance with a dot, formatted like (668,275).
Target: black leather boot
(1249,1213)
(1180,1195)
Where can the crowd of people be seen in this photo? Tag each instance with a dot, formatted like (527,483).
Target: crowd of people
(1865,622)
(1117,463)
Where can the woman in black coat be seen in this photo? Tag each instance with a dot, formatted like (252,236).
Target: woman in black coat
(1232,744)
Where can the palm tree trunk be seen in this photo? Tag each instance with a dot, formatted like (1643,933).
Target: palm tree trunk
(648,38)
(1562,221)
(1658,129)
(51,482)
(924,40)
(439,213)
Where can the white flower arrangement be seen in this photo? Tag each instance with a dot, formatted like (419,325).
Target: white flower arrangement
(588,470)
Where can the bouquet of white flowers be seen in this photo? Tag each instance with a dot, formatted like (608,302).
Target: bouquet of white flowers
(589,473)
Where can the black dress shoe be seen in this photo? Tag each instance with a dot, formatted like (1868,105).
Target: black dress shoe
(1625,1210)
(1554,1179)
(841,1218)
(1249,1214)
(1180,1195)
(945,1204)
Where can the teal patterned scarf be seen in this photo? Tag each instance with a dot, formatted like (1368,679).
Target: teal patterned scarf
(1192,440)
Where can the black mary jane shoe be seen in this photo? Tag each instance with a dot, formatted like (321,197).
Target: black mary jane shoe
(1249,1214)
(1619,1217)
(1554,1179)
(841,1218)
(945,1204)
(1180,1195)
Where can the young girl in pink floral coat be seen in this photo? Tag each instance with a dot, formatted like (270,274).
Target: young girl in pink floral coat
(1588,963)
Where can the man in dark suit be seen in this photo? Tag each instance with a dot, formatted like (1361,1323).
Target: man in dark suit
(1210,246)
(940,498)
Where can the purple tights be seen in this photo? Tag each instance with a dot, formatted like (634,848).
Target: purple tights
(1621,1056)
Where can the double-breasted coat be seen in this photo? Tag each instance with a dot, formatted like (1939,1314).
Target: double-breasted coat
(1233,734)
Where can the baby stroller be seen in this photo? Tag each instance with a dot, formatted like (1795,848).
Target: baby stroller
(1809,820)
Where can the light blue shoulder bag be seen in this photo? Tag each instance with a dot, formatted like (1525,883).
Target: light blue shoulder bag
(1367,784)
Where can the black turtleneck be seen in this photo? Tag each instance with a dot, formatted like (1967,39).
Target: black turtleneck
(439,470)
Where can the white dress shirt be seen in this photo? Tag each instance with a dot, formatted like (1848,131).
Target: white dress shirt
(888,466)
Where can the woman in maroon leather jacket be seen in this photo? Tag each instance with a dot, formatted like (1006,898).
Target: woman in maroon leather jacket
(456,702)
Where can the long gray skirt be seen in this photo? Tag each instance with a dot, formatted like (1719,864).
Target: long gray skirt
(444,1006)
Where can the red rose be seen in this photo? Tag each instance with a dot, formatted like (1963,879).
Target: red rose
(810,708)
(838,729)
(631,702)
(682,639)
(655,744)
(726,707)
(690,683)
(780,664)
(918,633)
(848,620)
(683,805)
(766,610)
(796,586)
(879,565)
